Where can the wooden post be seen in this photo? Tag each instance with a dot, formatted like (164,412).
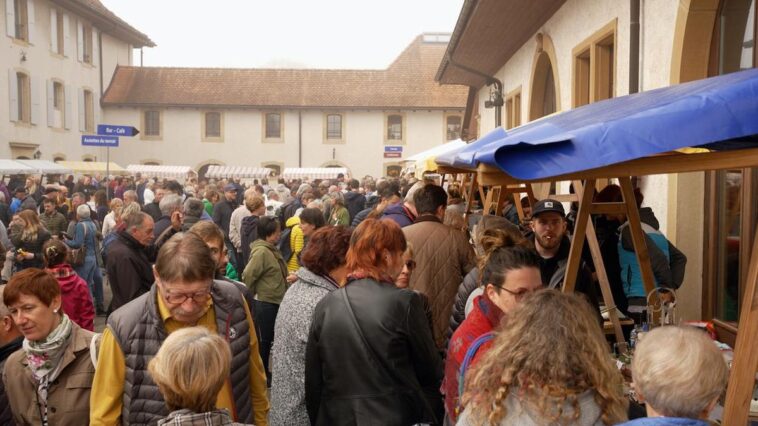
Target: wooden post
(580,229)
(745,364)
(638,236)
(602,275)
(470,198)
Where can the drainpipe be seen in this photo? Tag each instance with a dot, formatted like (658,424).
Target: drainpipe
(634,46)
(498,101)
(299,138)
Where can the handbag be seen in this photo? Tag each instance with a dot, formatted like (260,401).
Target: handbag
(76,256)
(432,417)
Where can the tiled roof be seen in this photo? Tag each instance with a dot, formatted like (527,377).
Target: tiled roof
(107,21)
(407,83)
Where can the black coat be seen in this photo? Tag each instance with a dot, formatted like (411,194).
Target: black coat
(248,234)
(355,203)
(469,284)
(222,215)
(348,384)
(153,210)
(130,273)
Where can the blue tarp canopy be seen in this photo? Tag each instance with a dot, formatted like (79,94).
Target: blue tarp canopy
(696,114)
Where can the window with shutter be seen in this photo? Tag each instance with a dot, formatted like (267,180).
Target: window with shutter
(89,111)
(87,55)
(453,126)
(61,35)
(59,104)
(24,104)
(21,20)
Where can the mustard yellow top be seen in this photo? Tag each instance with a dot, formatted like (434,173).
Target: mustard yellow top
(108,384)
(297,242)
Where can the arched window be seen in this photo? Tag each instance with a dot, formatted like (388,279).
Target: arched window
(544,100)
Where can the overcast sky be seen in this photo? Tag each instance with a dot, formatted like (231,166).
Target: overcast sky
(282,33)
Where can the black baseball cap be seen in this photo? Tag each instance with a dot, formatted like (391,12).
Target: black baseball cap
(548,205)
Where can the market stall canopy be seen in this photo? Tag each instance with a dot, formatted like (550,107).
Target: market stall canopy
(90,167)
(45,167)
(12,167)
(313,173)
(715,113)
(240,172)
(424,160)
(161,171)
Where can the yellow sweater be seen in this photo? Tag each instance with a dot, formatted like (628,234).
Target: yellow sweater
(108,385)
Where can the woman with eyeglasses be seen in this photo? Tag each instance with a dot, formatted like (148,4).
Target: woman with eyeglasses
(510,271)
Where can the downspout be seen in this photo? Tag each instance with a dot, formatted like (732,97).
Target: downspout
(634,46)
(498,102)
(100,58)
(299,138)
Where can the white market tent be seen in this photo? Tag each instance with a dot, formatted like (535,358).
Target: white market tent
(313,173)
(239,172)
(92,167)
(161,171)
(424,160)
(12,167)
(45,167)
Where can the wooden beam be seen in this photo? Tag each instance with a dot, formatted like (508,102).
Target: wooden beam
(602,275)
(672,162)
(498,200)
(745,364)
(580,229)
(638,235)
(470,198)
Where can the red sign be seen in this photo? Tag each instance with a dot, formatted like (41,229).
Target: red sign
(393,154)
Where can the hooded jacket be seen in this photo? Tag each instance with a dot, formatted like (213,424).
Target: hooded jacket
(288,364)
(265,274)
(76,301)
(129,270)
(248,234)
(355,202)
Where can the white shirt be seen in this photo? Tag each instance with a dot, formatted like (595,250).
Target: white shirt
(235,225)
(109,224)
(148,196)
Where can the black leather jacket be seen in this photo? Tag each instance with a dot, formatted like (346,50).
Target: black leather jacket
(348,383)
(469,284)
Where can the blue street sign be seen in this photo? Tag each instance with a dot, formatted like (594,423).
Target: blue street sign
(94,140)
(111,130)
(393,149)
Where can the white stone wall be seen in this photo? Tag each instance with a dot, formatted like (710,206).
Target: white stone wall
(43,65)
(362,150)
(677,200)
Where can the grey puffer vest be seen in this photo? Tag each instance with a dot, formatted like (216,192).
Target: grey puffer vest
(139,331)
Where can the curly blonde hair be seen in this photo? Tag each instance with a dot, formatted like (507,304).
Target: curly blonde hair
(549,352)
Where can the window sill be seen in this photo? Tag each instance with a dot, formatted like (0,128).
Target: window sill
(20,41)
(273,140)
(212,140)
(394,142)
(334,141)
(152,138)
(57,55)
(24,124)
(58,129)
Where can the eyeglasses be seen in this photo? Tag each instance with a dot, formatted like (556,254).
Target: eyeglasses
(518,295)
(410,264)
(179,298)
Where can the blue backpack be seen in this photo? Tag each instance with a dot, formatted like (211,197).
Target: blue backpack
(470,354)
(284,246)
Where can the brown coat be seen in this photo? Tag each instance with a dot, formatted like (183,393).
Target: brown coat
(443,257)
(68,396)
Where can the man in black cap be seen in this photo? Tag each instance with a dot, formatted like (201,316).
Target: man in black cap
(222,216)
(553,244)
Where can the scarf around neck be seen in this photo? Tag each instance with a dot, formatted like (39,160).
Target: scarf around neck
(44,357)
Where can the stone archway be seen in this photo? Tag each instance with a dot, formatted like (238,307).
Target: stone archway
(545,94)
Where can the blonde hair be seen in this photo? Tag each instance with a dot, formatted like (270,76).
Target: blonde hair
(679,371)
(550,351)
(31,227)
(190,368)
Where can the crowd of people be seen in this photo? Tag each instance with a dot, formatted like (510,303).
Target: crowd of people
(332,302)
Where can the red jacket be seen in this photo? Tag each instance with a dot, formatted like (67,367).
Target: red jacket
(484,317)
(75,296)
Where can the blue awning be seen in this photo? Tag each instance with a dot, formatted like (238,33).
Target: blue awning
(692,114)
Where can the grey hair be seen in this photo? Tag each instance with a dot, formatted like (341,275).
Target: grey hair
(304,187)
(170,203)
(83,211)
(193,207)
(130,194)
(134,220)
(129,208)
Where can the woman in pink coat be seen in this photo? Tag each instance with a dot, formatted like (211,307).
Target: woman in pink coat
(75,295)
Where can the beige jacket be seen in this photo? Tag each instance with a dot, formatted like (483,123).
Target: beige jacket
(443,257)
(68,396)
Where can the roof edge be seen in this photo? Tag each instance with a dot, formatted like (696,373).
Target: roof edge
(285,107)
(460,26)
(119,27)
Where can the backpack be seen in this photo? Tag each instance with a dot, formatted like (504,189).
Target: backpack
(284,246)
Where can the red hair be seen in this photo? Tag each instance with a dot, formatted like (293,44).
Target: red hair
(368,243)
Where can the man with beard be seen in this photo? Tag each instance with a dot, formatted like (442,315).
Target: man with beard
(553,245)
